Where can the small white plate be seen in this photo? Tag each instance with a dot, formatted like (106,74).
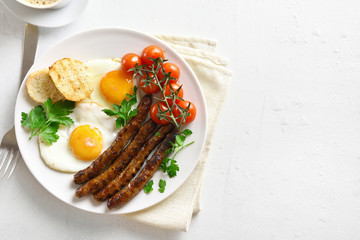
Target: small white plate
(47,17)
(110,43)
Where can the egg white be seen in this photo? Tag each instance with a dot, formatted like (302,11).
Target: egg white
(58,155)
(98,68)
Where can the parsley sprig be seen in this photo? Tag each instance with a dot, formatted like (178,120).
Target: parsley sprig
(169,164)
(148,187)
(162,185)
(45,122)
(124,112)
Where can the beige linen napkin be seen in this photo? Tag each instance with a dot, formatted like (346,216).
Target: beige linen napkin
(176,211)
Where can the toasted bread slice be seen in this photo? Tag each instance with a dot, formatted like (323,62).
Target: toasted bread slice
(41,87)
(72,78)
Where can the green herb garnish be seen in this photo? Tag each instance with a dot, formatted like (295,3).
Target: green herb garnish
(169,165)
(148,187)
(45,122)
(124,111)
(162,184)
(170,168)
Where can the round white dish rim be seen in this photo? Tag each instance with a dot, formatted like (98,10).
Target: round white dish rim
(61,185)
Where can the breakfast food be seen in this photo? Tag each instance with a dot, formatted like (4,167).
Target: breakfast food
(155,75)
(138,183)
(91,133)
(129,61)
(134,166)
(40,87)
(111,82)
(120,162)
(41,2)
(113,151)
(72,78)
(99,130)
(151,52)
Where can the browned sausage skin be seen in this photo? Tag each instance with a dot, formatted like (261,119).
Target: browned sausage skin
(119,164)
(123,136)
(134,166)
(135,186)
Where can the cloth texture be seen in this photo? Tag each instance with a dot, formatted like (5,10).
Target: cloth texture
(176,211)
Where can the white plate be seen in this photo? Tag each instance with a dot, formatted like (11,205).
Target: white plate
(109,43)
(47,17)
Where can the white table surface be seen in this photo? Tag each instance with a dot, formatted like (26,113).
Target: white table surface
(285,160)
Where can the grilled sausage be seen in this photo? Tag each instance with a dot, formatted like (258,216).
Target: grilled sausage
(119,164)
(130,171)
(123,136)
(135,186)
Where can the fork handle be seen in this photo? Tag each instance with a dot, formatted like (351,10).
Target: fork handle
(29,50)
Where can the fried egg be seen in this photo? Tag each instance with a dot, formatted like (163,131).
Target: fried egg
(93,131)
(111,82)
(91,134)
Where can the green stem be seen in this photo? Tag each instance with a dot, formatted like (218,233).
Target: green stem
(39,130)
(182,148)
(164,97)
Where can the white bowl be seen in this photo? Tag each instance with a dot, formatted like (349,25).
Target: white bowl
(55,5)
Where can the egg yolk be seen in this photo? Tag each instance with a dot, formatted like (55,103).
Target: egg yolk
(86,142)
(115,85)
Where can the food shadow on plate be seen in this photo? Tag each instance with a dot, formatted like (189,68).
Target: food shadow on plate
(85,198)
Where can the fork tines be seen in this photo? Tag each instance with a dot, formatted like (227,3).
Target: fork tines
(8,161)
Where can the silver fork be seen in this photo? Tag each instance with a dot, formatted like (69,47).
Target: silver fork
(9,151)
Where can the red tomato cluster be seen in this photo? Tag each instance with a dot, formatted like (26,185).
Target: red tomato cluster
(131,60)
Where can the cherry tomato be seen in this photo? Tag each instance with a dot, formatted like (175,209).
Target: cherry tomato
(184,105)
(129,60)
(151,51)
(154,111)
(172,68)
(152,88)
(174,87)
